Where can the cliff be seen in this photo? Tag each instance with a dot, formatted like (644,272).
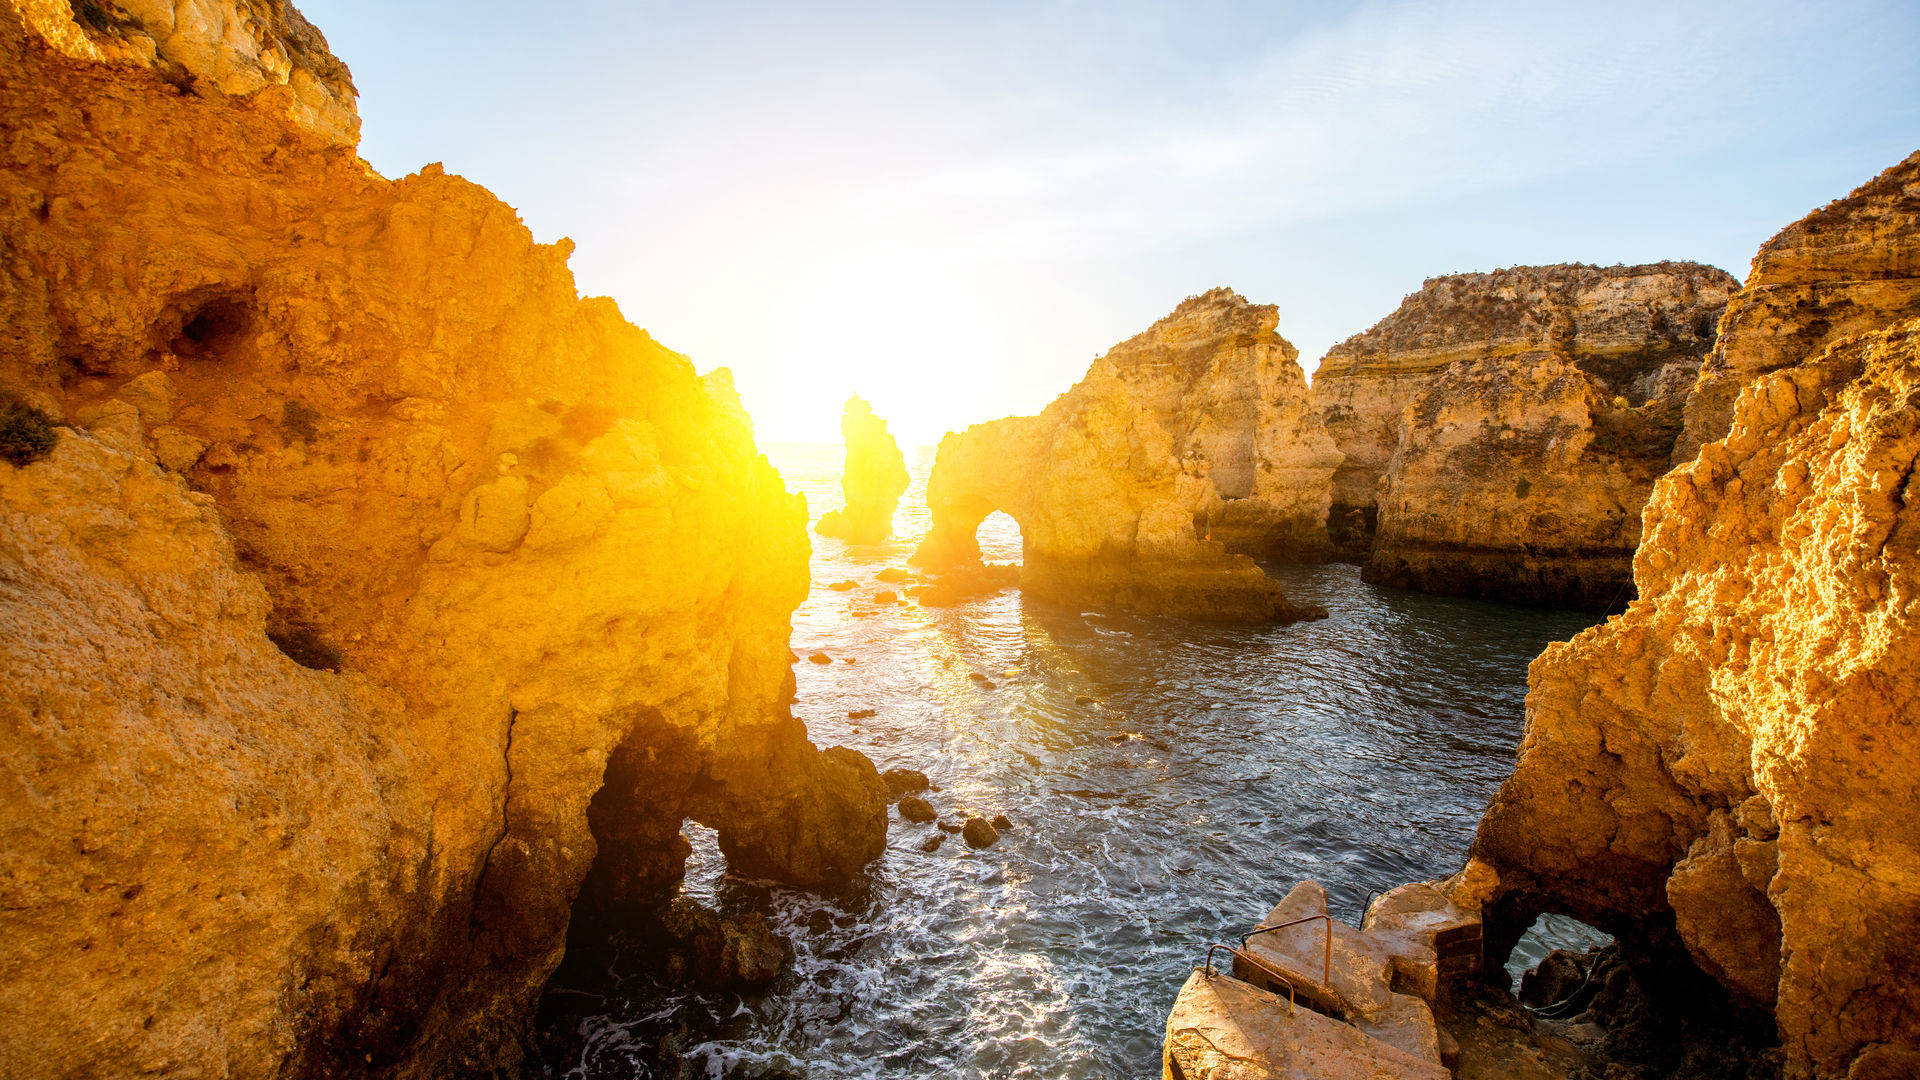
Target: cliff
(1503,431)
(1725,770)
(1849,267)
(1135,489)
(536,576)
(874,479)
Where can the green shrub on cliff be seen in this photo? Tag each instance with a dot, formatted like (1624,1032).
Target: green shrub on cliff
(26,434)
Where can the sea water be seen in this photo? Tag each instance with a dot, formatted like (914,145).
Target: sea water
(1167,782)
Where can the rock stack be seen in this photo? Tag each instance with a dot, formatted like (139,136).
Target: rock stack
(874,479)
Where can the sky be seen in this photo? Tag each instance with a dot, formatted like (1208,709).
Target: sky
(952,208)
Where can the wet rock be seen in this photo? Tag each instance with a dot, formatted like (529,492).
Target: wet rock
(820,658)
(978,832)
(886,596)
(893,575)
(860,714)
(723,951)
(844,586)
(949,827)
(1001,822)
(903,782)
(933,842)
(917,810)
(1559,975)
(1083,699)
(981,679)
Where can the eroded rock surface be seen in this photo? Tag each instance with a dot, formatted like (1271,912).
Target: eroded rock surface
(874,479)
(549,568)
(1182,445)
(1849,267)
(1502,431)
(1728,766)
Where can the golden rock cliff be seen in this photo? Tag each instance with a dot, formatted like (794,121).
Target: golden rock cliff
(537,573)
(1727,768)
(873,481)
(1135,489)
(1503,430)
(1849,267)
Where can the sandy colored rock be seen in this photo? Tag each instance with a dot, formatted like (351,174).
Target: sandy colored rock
(978,832)
(556,572)
(1502,431)
(1183,444)
(1847,268)
(874,478)
(917,810)
(1735,752)
(262,52)
(1221,1027)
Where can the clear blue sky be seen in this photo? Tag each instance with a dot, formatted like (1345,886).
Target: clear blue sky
(951,208)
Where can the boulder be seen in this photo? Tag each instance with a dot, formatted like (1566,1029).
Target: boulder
(904,782)
(917,810)
(978,832)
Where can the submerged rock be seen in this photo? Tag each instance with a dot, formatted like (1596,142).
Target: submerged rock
(1001,822)
(874,479)
(1727,767)
(1505,429)
(978,832)
(1183,445)
(904,782)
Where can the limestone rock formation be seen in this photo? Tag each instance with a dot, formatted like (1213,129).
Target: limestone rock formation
(1849,267)
(263,52)
(1136,489)
(1502,431)
(873,481)
(1728,767)
(369,421)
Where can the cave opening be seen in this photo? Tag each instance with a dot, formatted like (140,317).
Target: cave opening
(213,325)
(999,538)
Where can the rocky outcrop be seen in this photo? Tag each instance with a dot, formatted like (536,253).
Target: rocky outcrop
(1138,488)
(1849,267)
(873,481)
(1502,431)
(529,579)
(261,52)
(1727,768)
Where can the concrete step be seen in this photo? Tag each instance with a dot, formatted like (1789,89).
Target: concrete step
(1224,1029)
(1406,1025)
(1351,979)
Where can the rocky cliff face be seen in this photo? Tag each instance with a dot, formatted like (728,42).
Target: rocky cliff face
(1726,768)
(1503,430)
(1849,267)
(873,481)
(538,576)
(1183,444)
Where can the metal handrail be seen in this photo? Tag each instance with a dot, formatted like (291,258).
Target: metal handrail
(1238,955)
(1366,906)
(1326,978)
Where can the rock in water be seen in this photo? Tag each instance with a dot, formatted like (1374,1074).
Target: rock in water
(1731,764)
(978,832)
(1505,429)
(917,810)
(725,951)
(1136,489)
(933,842)
(1001,822)
(904,782)
(373,419)
(874,479)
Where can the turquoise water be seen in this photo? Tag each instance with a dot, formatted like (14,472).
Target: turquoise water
(1213,768)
